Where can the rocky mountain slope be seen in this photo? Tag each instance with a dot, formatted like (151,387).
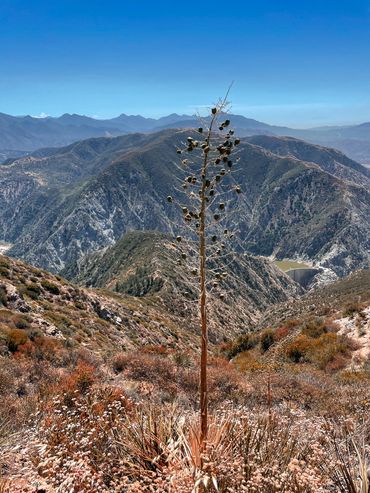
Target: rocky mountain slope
(149,299)
(145,264)
(59,205)
(330,160)
(346,295)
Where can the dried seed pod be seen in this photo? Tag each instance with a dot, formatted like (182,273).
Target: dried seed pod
(226,231)
(200,130)
(178,238)
(207,183)
(211,192)
(184,210)
(215,284)
(218,177)
(222,296)
(220,127)
(214,111)
(226,123)
(238,189)
(216,217)
(214,238)
(189,179)
(237,142)
(206,149)
(230,163)
(222,206)
(185,186)
(217,161)
(183,255)
(188,218)
(194,272)
(194,180)
(190,139)
(169,198)
(179,151)
(225,159)
(223,172)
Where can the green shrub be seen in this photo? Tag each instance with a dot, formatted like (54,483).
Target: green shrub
(16,337)
(140,284)
(267,339)
(3,296)
(350,309)
(298,350)
(51,287)
(314,328)
(31,290)
(242,343)
(327,352)
(4,272)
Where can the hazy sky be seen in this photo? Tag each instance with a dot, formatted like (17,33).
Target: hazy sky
(299,63)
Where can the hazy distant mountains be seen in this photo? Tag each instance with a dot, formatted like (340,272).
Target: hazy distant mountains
(299,200)
(26,133)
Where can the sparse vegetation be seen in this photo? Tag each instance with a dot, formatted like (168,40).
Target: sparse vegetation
(108,414)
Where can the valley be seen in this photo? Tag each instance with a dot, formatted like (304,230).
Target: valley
(184,247)
(99,317)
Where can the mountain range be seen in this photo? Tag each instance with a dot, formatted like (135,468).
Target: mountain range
(20,134)
(299,200)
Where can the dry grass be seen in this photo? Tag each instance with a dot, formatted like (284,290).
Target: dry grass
(106,443)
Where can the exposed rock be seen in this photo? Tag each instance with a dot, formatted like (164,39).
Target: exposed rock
(62,204)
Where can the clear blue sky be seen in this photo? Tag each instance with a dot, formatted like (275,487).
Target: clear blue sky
(295,62)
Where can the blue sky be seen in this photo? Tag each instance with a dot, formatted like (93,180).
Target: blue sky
(299,63)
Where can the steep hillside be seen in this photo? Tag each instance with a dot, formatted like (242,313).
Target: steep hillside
(34,303)
(330,160)
(147,306)
(145,264)
(291,208)
(345,295)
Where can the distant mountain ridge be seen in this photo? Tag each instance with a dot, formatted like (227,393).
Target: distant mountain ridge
(26,133)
